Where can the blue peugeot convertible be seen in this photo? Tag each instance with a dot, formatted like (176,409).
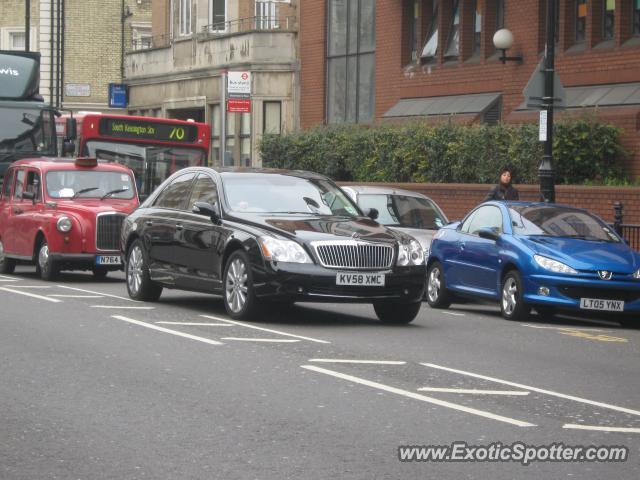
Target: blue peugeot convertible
(544,256)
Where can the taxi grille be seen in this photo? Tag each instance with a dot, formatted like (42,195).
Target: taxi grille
(354,255)
(108,226)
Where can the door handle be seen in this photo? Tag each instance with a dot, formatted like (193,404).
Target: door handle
(461,246)
(179,227)
(148,223)
(17,211)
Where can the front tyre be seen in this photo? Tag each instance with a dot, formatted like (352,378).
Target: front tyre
(437,294)
(396,313)
(239,295)
(45,266)
(139,283)
(512,305)
(7,265)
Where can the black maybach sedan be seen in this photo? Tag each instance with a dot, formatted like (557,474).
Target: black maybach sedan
(259,236)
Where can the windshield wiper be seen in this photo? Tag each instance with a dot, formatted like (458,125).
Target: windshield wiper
(584,237)
(84,190)
(113,192)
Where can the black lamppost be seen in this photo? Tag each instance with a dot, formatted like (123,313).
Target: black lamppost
(27,25)
(545,170)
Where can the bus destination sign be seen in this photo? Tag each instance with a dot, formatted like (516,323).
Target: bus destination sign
(142,130)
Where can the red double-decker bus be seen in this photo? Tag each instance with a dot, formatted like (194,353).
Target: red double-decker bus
(153,148)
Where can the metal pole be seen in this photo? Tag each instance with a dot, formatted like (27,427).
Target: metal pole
(223,116)
(546,173)
(27,25)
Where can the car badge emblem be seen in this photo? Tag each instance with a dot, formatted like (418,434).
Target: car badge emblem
(355,235)
(605,275)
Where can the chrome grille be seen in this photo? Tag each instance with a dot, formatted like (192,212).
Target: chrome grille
(354,255)
(108,226)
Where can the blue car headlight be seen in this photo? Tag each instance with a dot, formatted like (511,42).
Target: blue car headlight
(283,250)
(553,265)
(410,254)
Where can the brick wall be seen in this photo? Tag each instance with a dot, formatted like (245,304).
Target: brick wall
(456,199)
(312,43)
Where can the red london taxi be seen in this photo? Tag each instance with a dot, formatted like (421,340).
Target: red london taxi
(64,214)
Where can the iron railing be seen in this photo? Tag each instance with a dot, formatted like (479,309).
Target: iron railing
(249,24)
(631,233)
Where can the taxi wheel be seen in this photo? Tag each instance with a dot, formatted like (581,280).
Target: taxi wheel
(512,304)
(100,272)
(45,267)
(437,294)
(239,296)
(7,265)
(139,283)
(396,313)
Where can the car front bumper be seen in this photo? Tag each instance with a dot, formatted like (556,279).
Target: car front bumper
(313,283)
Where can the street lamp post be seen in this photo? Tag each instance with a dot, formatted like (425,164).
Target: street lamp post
(546,173)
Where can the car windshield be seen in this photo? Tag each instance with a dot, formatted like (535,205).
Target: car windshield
(403,210)
(151,164)
(282,193)
(89,184)
(557,221)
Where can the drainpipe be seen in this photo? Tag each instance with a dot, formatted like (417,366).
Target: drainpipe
(27,25)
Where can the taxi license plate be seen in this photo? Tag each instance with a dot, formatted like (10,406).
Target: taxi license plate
(108,260)
(605,305)
(360,279)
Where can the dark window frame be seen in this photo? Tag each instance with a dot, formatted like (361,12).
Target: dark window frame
(580,34)
(608,21)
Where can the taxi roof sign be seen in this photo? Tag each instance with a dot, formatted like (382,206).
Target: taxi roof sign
(19,75)
(86,162)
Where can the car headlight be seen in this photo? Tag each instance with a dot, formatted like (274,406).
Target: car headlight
(553,265)
(636,274)
(283,250)
(410,254)
(64,224)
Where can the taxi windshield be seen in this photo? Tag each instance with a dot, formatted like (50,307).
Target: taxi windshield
(89,184)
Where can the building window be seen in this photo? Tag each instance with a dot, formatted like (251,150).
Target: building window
(14,38)
(581,20)
(351,61)
(412,7)
(430,50)
(477,29)
(266,15)
(218,15)
(608,18)
(272,116)
(216,120)
(636,17)
(499,14)
(185,17)
(453,43)
(141,36)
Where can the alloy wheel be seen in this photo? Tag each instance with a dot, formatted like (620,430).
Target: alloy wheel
(134,270)
(434,284)
(509,296)
(43,257)
(236,285)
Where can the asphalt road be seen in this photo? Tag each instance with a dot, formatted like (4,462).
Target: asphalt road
(96,386)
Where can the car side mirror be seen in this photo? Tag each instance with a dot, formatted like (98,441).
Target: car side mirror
(488,233)
(372,213)
(29,196)
(207,210)
(68,147)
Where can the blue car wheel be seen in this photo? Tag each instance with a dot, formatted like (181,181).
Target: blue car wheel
(437,294)
(512,304)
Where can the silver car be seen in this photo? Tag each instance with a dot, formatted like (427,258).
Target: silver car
(404,210)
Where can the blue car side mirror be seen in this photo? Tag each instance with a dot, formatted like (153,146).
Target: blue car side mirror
(488,233)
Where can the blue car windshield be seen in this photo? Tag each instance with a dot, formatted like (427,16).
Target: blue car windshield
(555,221)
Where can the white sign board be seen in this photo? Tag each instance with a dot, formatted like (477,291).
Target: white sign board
(543,126)
(239,83)
(77,90)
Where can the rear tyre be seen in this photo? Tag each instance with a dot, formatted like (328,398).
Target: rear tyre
(7,265)
(512,305)
(240,300)
(139,283)
(100,272)
(397,313)
(45,266)
(437,294)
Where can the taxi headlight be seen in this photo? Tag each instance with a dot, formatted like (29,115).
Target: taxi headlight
(553,265)
(283,250)
(410,254)
(64,224)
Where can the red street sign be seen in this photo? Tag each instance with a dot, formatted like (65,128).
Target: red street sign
(239,105)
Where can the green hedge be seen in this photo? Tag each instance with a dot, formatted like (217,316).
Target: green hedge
(584,150)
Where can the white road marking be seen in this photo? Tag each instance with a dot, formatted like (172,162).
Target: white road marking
(272,340)
(539,390)
(211,317)
(197,324)
(166,330)
(2,279)
(40,297)
(473,391)
(118,307)
(453,313)
(340,360)
(565,328)
(32,286)
(74,296)
(97,293)
(601,429)
(417,396)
